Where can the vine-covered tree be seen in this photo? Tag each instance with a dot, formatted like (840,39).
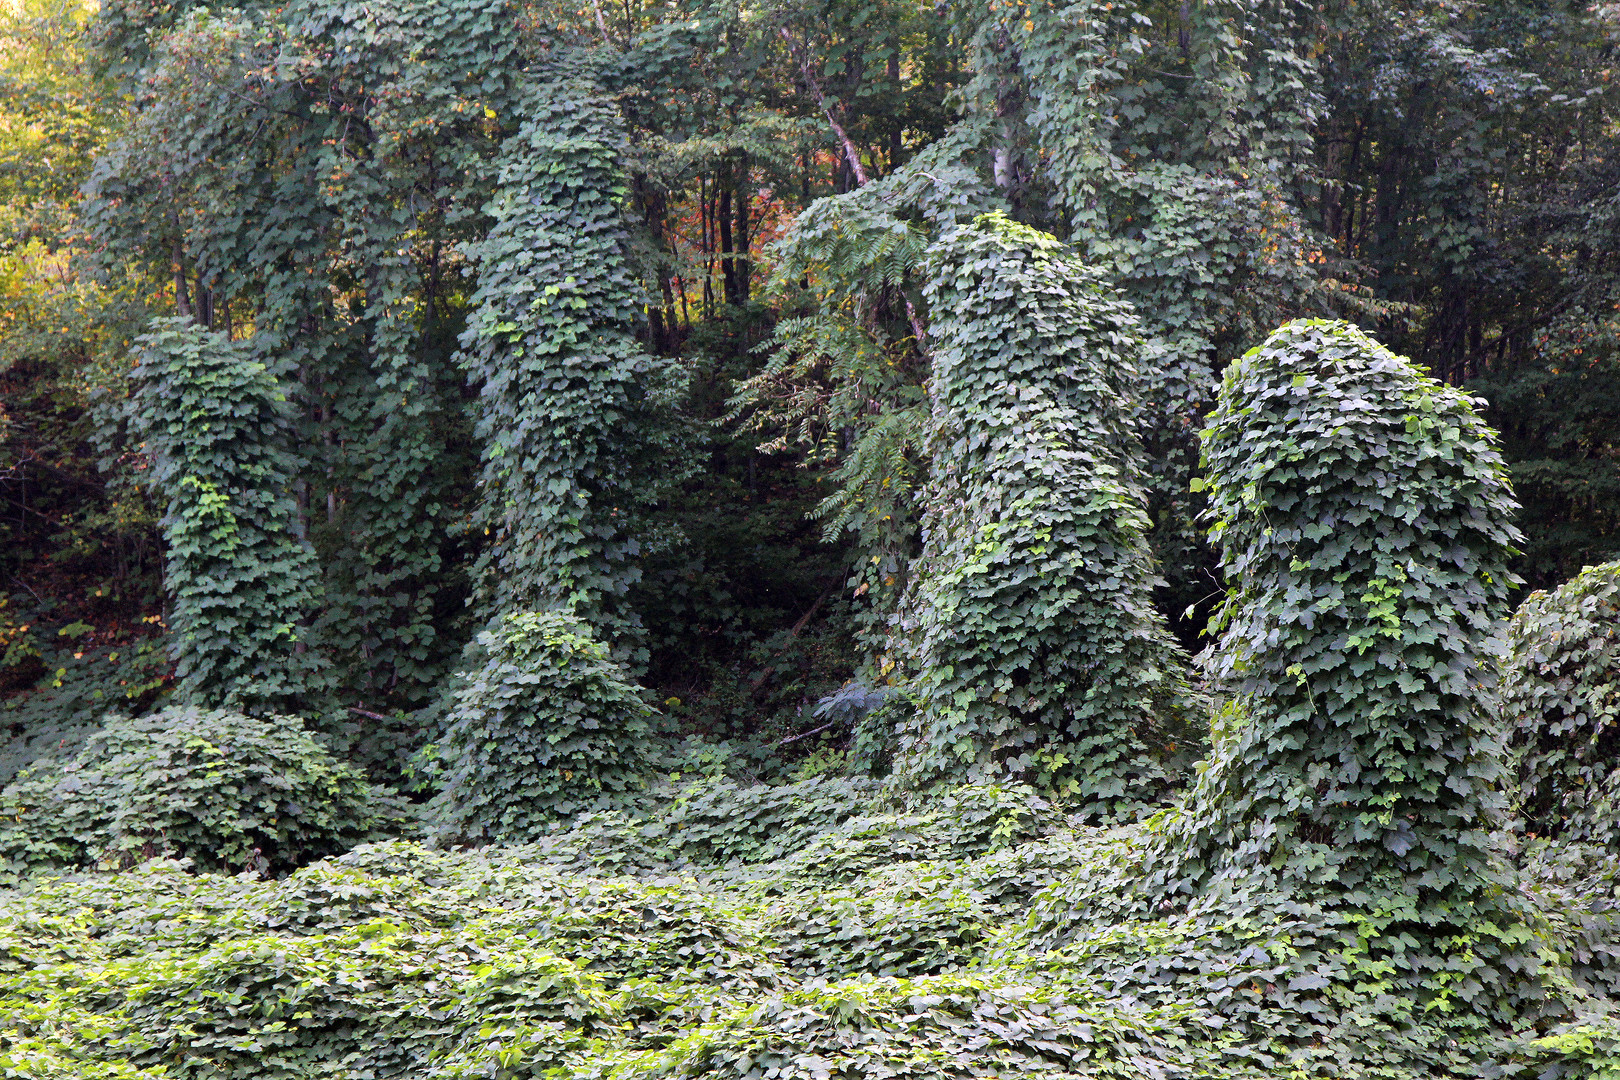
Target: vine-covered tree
(1364,520)
(312,205)
(569,402)
(1365,523)
(1029,632)
(1561,700)
(216,428)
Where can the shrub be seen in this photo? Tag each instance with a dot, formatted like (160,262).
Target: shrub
(1561,698)
(1030,632)
(222,789)
(545,728)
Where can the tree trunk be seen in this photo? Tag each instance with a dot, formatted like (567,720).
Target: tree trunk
(745,268)
(728,264)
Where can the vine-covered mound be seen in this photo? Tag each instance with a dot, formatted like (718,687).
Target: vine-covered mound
(1364,521)
(545,725)
(717,930)
(1561,696)
(227,791)
(1029,632)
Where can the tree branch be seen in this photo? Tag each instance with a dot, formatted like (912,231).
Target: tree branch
(850,153)
(759,680)
(807,734)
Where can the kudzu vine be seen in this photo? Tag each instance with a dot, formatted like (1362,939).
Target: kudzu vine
(1364,520)
(1561,699)
(570,404)
(325,169)
(544,728)
(1168,159)
(1030,636)
(216,428)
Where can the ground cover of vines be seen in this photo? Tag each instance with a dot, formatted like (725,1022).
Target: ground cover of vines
(815,930)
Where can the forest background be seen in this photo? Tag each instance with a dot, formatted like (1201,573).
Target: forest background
(315,185)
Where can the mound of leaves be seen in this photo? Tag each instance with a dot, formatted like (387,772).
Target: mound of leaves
(547,723)
(224,790)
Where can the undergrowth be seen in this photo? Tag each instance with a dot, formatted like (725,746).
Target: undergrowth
(818,929)
(225,790)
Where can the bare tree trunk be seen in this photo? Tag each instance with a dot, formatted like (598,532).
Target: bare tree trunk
(708,248)
(728,262)
(745,268)
(182,295)
(895,147)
